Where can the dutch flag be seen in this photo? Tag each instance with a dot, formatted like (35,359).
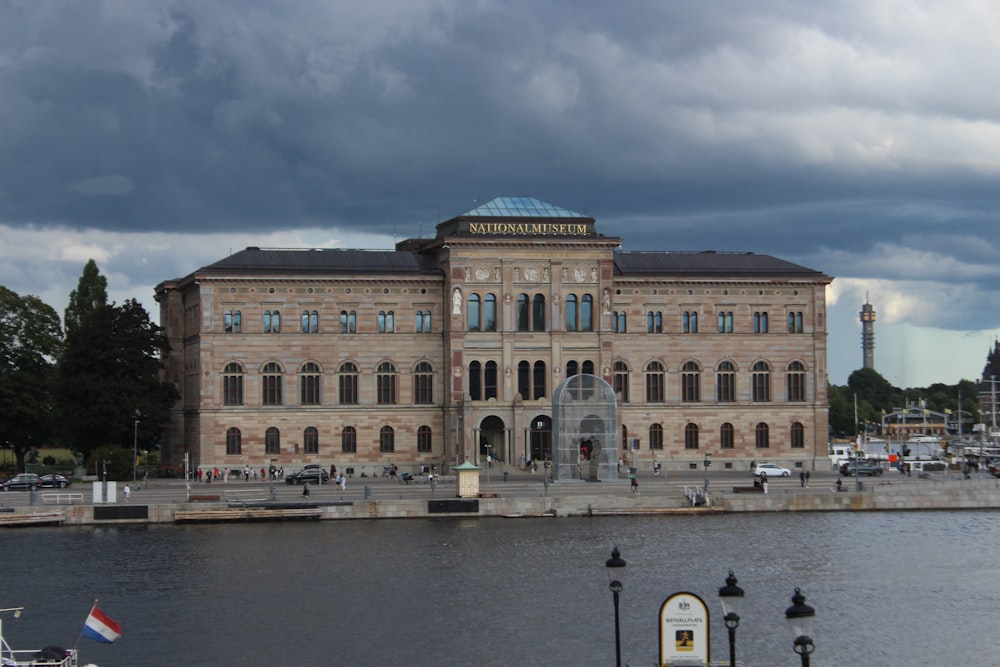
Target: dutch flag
(100,627)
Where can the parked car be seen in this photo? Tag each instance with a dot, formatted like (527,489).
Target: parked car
(771,470)
(54,480)
(308,476)
(22,482)
(861,468)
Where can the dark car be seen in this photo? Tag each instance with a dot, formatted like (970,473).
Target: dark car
(22,482)
(860,468)
(308,476)
(54,480)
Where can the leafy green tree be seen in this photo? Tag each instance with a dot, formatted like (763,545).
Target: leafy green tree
(30,341)
(91,293)
(110,379)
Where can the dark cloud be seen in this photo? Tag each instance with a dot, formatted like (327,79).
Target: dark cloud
(855,139)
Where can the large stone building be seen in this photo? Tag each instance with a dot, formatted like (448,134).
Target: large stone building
(449,348)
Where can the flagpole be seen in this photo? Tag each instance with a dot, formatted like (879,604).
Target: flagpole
(76,646)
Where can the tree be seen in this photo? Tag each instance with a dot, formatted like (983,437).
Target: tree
(91,293)
(30,341)
(110,379)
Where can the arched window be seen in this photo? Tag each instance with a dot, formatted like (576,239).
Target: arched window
(310,440)
(621,381)
(234,441)
(272,441)
(654,321)
(423,384)
(587,312)
(795,322)
(347,381)
(475,381)
(271,381)
(490,380)
(232,384)
(587,368)
(386,321)
(386,384)
(624,445)
(538,380)
(619,322)
(475,321)
(572,312)
(572,368)
(690,382)
(654,382)
(424,440)
(656,436)
(763,436)
(691,436)
(272,321)
(490,312)
(310,321)
(423,321)
(349,440)
(725,382)
(386,440)
(727,436)
(798,435)
(524,379)
(309,383)
(538,312)
(689,321)
(795,382)
(348,321)
(523,313)
(726,321)
(760,379)
(760,322)
(232,321)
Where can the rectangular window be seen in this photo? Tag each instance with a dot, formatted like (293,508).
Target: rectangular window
(689,322)
(726,321)
(760,322)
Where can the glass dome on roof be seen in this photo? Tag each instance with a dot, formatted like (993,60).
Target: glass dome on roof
(520,207)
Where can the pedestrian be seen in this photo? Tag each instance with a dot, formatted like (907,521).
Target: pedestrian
(807,479)
(305,490)
(802,478)
(763,481)
(838,485)
(126,492)
(634,484)
(342,481)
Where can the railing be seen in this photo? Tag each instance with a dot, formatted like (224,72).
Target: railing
(697,496)
(61,498)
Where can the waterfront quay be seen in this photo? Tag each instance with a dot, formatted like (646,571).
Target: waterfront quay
(509,493)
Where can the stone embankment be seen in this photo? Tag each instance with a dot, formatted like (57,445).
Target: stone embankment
(520,501)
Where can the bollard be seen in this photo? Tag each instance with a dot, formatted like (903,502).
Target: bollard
(506,475)
(368,491)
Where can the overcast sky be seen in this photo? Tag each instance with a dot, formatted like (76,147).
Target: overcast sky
(858,138)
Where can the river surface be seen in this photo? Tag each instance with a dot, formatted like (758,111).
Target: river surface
(889,589)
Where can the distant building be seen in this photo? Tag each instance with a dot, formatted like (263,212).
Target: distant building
(449,348)
(867,335)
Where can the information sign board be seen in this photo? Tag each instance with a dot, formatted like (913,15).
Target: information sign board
(684,630)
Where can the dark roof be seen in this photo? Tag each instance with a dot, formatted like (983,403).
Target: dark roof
(709,264)
(256,260)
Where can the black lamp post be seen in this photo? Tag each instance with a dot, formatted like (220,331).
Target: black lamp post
(616,573)
(731,597)
(707,462)
(800,619)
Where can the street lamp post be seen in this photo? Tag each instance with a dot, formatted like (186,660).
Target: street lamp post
(270,478)
(135,451)
(707,462)
(489,463)
(800,619)
(616,568)
(731,597)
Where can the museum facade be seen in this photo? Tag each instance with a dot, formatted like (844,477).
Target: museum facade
(449,349)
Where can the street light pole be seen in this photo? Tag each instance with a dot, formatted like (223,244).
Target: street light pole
(616,568)
(135,451)
(731,597)
(800,619)
(707,462)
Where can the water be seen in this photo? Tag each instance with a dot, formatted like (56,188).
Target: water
(889,589)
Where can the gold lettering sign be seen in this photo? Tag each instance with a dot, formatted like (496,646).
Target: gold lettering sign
(526,228)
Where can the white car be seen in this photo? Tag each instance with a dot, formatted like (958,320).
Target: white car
(771,470)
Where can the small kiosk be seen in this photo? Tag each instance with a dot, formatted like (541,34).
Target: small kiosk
(467,480)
